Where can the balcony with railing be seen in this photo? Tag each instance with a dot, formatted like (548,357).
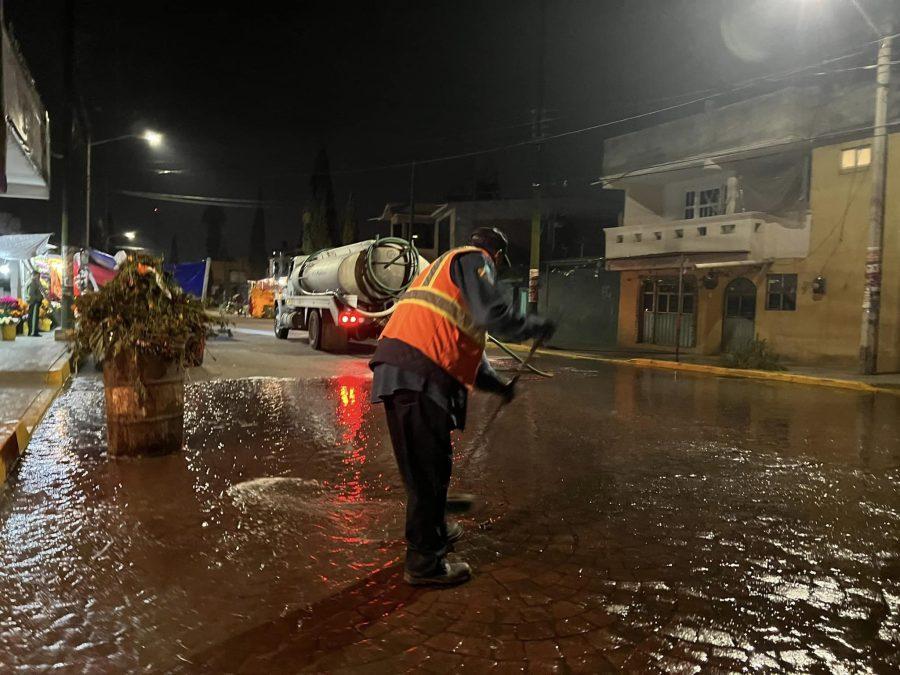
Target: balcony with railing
(744,236)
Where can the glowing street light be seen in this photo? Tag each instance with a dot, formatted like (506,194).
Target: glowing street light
(130,235)
(153,138)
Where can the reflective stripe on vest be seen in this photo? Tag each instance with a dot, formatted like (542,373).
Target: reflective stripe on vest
(433,317)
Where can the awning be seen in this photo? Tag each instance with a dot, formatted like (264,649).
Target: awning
(23,246)
(674,261)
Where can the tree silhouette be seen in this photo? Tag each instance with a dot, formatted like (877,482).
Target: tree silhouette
(173,250)
(214,219)
(315,229)
(258,238)
(349,226)
(322,190)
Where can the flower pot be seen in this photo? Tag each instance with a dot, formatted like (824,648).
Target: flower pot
(148,423)
(45,325)
(194,352)
(9,331)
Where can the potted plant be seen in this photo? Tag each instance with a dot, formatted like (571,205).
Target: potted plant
(11,314)
(139,326)
(45,320)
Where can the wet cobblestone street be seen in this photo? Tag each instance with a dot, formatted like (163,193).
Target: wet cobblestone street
(627,518)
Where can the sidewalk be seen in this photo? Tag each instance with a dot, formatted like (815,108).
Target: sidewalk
(32,371)
(713,365)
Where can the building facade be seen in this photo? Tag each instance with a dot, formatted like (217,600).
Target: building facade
(752,220)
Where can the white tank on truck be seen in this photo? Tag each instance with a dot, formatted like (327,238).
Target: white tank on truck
(345,293)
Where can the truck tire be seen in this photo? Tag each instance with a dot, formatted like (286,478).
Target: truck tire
(333,337)
(280,333)
(315,329)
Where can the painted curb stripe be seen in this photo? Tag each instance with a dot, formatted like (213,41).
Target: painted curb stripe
(775,376)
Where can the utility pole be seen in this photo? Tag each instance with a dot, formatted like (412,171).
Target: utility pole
(537,132)
(68,137)
(87,185)
(871,307)
(408,230)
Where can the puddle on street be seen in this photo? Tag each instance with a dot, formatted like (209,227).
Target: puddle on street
(719,523)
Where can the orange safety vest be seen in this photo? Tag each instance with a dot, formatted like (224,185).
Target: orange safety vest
(433,317)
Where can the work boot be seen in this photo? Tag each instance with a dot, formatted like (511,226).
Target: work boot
(450,574)
(455,531)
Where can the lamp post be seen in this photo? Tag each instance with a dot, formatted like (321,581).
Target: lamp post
(153,138)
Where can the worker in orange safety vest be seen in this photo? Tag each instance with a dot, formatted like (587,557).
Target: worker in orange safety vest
(430,354)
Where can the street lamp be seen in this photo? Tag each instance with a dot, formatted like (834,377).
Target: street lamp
(130,235)
(153,138)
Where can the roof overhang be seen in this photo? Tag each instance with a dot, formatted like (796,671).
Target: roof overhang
(688,260)
(701,163)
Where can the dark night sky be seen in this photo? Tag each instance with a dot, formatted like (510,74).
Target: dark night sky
(246,95)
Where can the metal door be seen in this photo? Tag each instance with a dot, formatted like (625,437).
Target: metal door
(739,326)
(659,311)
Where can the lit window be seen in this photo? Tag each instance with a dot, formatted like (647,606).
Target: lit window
(856,158)
(781,292)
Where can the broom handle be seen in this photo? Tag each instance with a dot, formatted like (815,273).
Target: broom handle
(481,434)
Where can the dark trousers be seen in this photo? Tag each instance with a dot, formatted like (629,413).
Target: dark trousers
(34,315)
(420,434)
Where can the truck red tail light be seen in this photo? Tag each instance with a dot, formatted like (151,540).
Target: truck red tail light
(350,319)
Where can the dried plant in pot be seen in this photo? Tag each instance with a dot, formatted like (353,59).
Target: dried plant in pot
(141,326)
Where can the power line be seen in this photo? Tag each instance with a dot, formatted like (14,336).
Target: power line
(197,200)
(730,91)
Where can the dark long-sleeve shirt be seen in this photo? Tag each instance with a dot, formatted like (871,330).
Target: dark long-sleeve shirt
(34,291)
(398,365)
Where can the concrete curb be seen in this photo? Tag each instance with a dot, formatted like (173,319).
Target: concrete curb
(720,371)
(14,437)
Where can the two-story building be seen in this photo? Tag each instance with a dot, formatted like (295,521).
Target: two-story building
(761,208)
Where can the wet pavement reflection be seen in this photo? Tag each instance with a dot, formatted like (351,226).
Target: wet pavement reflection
(627,518)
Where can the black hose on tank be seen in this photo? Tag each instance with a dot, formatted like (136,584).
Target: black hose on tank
(405,247)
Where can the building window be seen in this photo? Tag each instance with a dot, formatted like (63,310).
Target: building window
(728,229)
(856,158)
(704,203)
(781,292)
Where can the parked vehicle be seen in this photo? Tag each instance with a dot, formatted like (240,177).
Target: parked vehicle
(345,293)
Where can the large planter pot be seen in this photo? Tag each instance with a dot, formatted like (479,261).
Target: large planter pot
(8,331)
(194,351)
(152,424)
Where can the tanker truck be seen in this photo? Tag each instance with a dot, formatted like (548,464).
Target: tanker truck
(345,293)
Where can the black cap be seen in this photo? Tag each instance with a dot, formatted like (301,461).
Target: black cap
(493,240)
